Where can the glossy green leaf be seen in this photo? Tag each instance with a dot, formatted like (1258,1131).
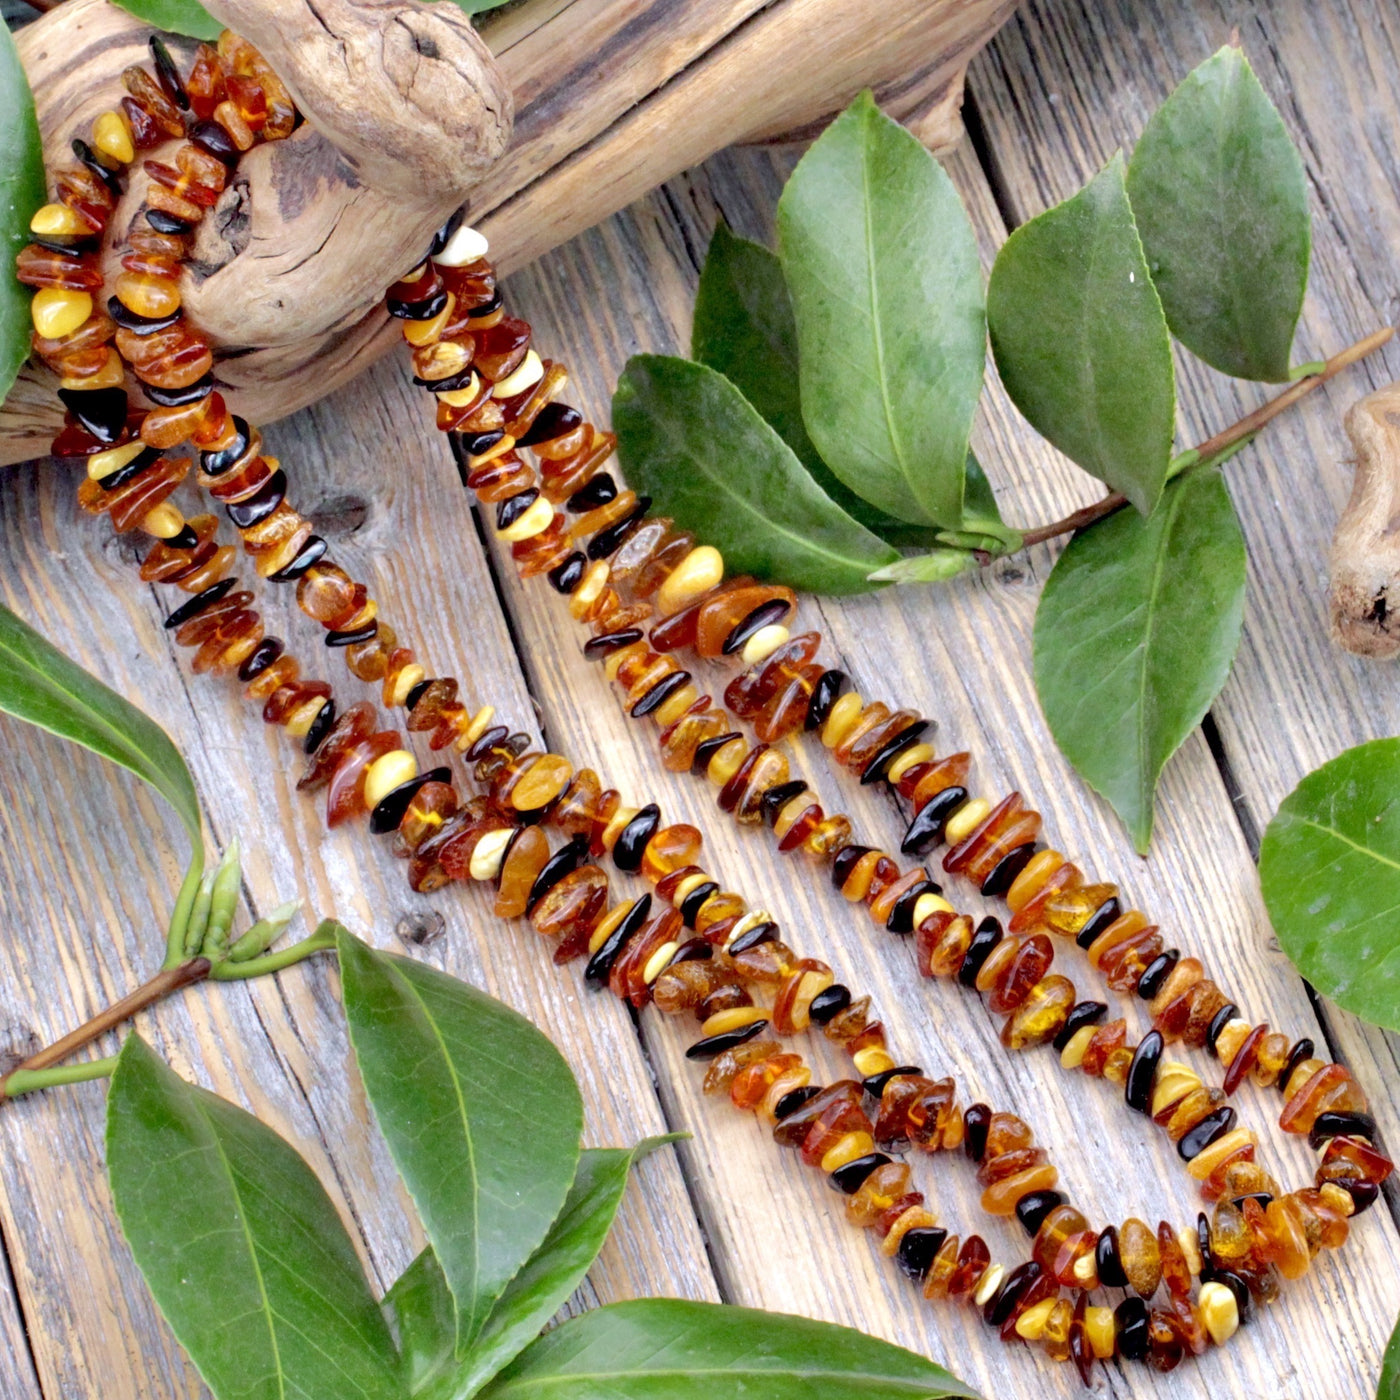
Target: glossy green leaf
(1221,201)
(240,1245)
(744,328)
(1080,339)
(21,193)
(175,17)
(1134,636)
(665,1349)
(422,1304)
(1330,869)
(1389,1388)
(40,685)
(689,439)
(458,1082)
(882,265)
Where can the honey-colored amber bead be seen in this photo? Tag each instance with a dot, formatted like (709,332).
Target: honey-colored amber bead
(57,311)
(877,1193)
(1329,1089)
(568,911)
(840,718)
(345,794)
(523,862)
(1039,1017)
(1030,1322)
(974,1259)
(1174,1082)
(147,295)
(941,1271)
(1198,1104)
(1201,1166)
(670,848)
(1063,1223)
(1140,1256)
(1000,1198)
(1055,1333)
(427,810)
(1106,1039)
(1021,973)
(1041,866)
(998,961)
(541,783)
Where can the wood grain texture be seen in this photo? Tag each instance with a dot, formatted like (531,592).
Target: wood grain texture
(79,878)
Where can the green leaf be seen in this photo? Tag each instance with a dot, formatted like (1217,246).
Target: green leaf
(1080,339)
(1330,869)
(689,439)
(1134,636)
(423,1306)
(1221,201)
(40,685)
(745,330)
(882,265)
(481,1114)
(240,1245)
(21,193)
(669,1349)
(1389,1388)
(175,17)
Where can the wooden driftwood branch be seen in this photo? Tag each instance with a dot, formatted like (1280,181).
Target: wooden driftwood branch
(408,117)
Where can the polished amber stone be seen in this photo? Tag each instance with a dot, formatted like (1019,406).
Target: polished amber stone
(1022,970)
(345,795)
(1039,1017)
(1141,1256)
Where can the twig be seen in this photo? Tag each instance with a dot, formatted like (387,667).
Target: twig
(1216,446)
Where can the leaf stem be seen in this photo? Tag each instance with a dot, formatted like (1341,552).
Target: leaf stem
(1224,443)
(167,981)
(180,914)
(317,942)
(27,1081)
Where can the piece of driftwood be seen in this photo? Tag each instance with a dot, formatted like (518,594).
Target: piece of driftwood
(611,98)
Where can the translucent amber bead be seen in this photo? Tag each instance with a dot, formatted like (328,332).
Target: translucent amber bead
(877,1192)
(1000,1198)
(569,910)
(941,1271)
(1140,1255)
(1029,965)
(1285,1237)
(345,795)
(1055,1334)
(541,783)
(1063,1223)
(147,295)
(1039,1017)
(828,836)
(1032,879)
(524,861)
(1330,1089)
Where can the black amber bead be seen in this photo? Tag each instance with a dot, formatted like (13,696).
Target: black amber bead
(388,813)
(776,798)
(1334,1124)
(320,727)
(567,858)
(213,463)
(1081,1014)
(1142,1072)
(353,636)
(693,950)
(706,751)
(1301,1051)
(828,1005)
(695,900)
(714,1045)
(183,538)
(846,861)
(1005,871)
(874,1084)
(168,75)
(1099,920)
(569,574)
(1155,973)
(102,412)
(1130,1325)
(166,223)
(444,235)
(765,932)
(596,648)
(310,553)
(423,310)
(851,1177)
(764,615)
(142,462)
(192,607)
(890,750)
(260,658)
(474,444)
(1203,1246)
(609,541)
(901,919)
(1238,1287)
(211,137)
(794,1099)
(85,153)
(552,421)
(129,320)
(976,1122)
(660,693)
(1107,1261)
(632,840)
(1003,1303)
(1032,1209)
(600,964)
(1364,1194)
(513,507)
(988,934)
(825,694)
(926,830)
(176,398)
(918,1248)
(1197,1138)
(597,491)
(449,383)
(1220,1020)
(410,701)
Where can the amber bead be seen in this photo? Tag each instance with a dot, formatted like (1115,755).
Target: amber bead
(1108,1040)
(47,267)
(426,812)
(345,795)
(169,359)
(569,910)
(128,503)
(540,783)
(1022,970)
(1330,1089)
(1285,1239)
(148,93)
(1039,1017)
(524,860)
(1140,1255)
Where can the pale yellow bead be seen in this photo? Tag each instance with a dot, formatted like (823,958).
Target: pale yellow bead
(460,398)
(103,464)
(841,717)
(489,852)
(732,1019)
(429,332)
(524,376)
(1072,1056)
(163,521)
(966,820)
(920,753)
(1098,1325)
(927,904)
(386,773)
(111,135)
(675,705)
(497,449)
(1031,1323)
(872,1060)
(1174,1081)
(404,681)
(847,1149)
(988,1284)
(57,312)
(476,728)
(764,643)
(590,586)
(298,725)
(696,574)
(530,524)
(688,886)
(1218,1311)
(465,246)
(58,219)
(613,830)
(747,921)
(1086,1270)
(656,964)
(1190,1247)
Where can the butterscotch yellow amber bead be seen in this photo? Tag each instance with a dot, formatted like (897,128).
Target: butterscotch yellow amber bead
(534,520)
(1031,880)
(477,727)
(1031,1323)
(1218,1311)
(111,135)
(1174,1082)
(420,333)
(920,753)
(299,722)
(750,920)
(732,1019)
(764,643)
(1190,1246)
(842,718)
(1072,1056)
(872,1060)
(687,887)
(724,764)
(1098,1327)
(404,681)
(103,464)
(526,375)
(988,1284)
(611,920)
(966,820)
(460,398)
(1203,1163)
(927,904)
(386,773)
(112,375)
(915,1218)
(497,449)
(163,521)
(847,1149)
(547,777)
(1086,1271)
(148,295)
(656,964)
(57,311)
(696,574)
(1232,1036)
(586,594)
(58,219)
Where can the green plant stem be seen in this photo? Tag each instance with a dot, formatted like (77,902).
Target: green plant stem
(27,1081)
(180,914)
(317,942)
(1223,444)
(167,981)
